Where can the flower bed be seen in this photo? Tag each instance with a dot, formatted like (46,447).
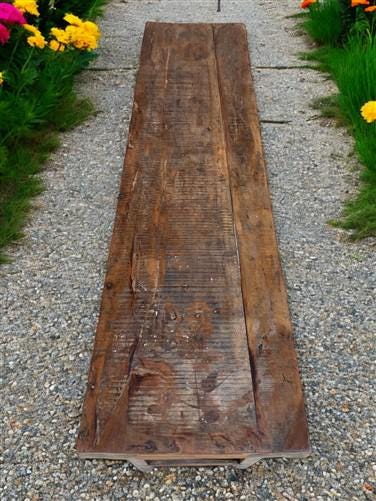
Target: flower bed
(345,31)
(43,45)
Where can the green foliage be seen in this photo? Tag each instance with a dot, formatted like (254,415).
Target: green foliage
(329,108)
(22,157)
(352,66)
(348,15)
(37,101)
(88,9)
(324,22)
(331,22)
(360,214)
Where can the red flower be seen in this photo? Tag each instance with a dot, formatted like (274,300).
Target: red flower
(4,34)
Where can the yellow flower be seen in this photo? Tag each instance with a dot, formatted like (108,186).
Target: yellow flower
(39,42)
(57,46)
(81,38)
(72,19)
(368,111)
(33,29)
(1,78)
(61,35)
(37,39)
(29,6)
(83,35)
(92,28)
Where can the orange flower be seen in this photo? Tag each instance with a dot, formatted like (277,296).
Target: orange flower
(355,3)
(306,3)
(370,9)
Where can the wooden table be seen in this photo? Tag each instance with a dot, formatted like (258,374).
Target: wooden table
(194,359)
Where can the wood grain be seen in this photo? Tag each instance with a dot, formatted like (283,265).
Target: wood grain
(193,356)
(279,401)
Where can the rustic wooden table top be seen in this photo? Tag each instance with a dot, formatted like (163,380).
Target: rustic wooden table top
(194,359)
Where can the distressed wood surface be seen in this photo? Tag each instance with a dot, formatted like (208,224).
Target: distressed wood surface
(280,410)
(194,356)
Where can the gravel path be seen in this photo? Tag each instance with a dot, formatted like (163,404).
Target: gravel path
(50,294)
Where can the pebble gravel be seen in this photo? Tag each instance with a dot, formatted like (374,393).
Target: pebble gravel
(50,293)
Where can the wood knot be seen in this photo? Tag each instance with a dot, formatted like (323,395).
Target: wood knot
(150,446)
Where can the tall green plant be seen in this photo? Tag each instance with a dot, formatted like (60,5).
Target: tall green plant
(351,62)
(37,100)
(324,22)
(348,16)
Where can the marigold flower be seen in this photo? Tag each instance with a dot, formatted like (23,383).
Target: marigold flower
(81,38)
(72,19)
(372,8)
(57,46)
(83,35)
(32,29)
(355,3)
(37,39)
(368,111)
(4,34)
(61,35)
(92,28)
(306,3)
(29,6)
(10,15)
(1,78)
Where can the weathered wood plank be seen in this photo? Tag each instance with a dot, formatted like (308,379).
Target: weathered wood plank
(174,376)
(281,417)
(171,372)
